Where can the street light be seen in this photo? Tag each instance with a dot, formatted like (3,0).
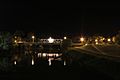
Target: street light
(33,37)
(65,37)
(81,39)
(96,40)
(108,39)
(15,41)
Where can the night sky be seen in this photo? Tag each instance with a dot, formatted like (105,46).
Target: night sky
(87,20)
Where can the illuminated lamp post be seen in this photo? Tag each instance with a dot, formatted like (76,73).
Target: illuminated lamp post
(65,37)
(109,40)
(82,40)
(33,37)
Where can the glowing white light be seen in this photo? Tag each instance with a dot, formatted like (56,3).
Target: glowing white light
(32,62)
(81,39)
(15,41)
(15,62)
(50,55)
(96,42)
(57,55)
(33,37)
(65,37)
(50,40)
(39,54)
(44,54)
(109,40)
(86,44)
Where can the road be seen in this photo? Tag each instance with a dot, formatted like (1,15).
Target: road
(111,51)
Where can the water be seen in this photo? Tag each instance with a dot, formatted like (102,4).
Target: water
(38,58)
(33,54)
(33,62)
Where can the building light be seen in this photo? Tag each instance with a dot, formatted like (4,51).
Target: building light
(51,40)
(44,54)
(39,54)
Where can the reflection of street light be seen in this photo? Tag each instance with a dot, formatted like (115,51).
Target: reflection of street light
(15,62)
(50,40)
(96,43)
(32,62)
(64,63)
(49,62)
(65,37)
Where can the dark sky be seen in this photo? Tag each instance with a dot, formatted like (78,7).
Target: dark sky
(87,20)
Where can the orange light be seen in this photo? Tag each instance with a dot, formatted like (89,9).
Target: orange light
(81,39)
(108,39)
(15,41)
(96,40)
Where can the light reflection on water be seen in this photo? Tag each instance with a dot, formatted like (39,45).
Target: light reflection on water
(15,62)
(32,61)
(49,62)
(45,56)
(51,56)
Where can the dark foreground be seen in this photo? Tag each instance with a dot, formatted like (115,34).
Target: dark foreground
(55,72)
(82,67)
